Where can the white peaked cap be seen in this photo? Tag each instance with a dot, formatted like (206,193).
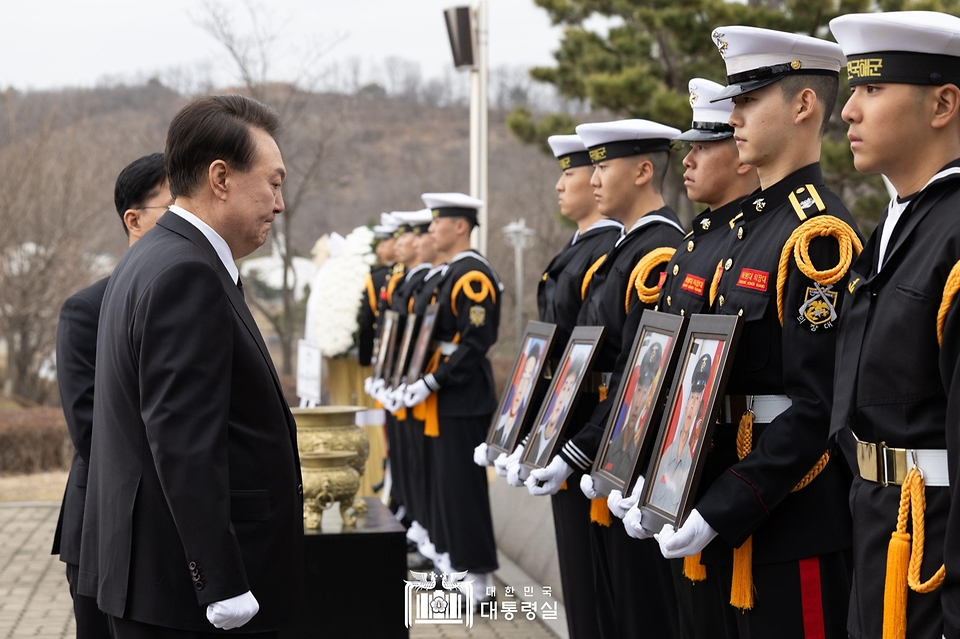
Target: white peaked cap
(566,144)
(596,134)
(911,47)
(709,118)
(415,218)
(387,220)
(757,57)
(451,200)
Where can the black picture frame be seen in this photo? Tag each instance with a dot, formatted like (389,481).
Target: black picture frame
(403,355)
(422,346)
(562,396)
(638,406)
(511,421)
(667,498)
(388,343)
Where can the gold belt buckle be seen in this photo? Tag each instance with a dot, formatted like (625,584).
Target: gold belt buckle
(881,464)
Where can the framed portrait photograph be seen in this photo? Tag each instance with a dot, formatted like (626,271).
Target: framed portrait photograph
(575,367)
(639,402)
(387,346)
(422,346)
(399,366)
(522,394)
(686,429)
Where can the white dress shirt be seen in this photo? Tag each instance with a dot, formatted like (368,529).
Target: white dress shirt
(218,243)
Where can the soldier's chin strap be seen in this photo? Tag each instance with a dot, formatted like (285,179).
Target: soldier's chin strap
(799,244)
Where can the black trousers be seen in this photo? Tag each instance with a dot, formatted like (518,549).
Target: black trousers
(802,599)
(414,478)
(91,621)
(129,629)
(462,494)
(701,606)
(635,579)
(395,456)
(571,521)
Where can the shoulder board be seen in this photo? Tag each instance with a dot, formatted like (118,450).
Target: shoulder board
(806,202)
(468,285)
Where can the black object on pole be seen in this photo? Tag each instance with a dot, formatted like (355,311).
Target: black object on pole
(460,29)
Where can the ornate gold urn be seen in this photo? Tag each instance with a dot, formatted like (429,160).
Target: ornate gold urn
(328,478)
(328,429)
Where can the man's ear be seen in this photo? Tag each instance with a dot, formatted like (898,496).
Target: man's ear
(947,99)
(745,169)
(217,175)
(644,172)
(805,105)
(131,219)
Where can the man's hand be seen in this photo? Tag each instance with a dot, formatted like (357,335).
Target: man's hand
(415,393)
(376,386)
(502,463)
(368,386)
(631,523)
(480,455)
(586,487)
(234,612)
(514,470)
(693,536)
(393,400)
(547,481)
(619,505)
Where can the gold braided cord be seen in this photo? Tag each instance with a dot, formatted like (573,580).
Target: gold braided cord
(799,244)
(392,285)
(745,445)
(912,494)
(642,271)
(588,276)
(715,284)
(949,292)
(371,295)
(465,284)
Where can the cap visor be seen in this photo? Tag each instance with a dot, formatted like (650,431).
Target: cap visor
(734,90)
(696,135)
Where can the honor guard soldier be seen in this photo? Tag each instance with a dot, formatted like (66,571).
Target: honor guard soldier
(375,282)
(630,158)
(773,492)
(559,299)
(897,385)
(714,176)
(457,391)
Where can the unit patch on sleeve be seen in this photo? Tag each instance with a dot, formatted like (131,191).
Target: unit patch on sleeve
(694,284)
(478,315)
(754,280)
(819,308)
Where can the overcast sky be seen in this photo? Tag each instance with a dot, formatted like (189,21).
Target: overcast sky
(55,43)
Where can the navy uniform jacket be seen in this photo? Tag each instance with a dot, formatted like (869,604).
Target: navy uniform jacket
(560,294)
(76,360)
(370,312)
(686,289)
(469,296)
(606,305)
(896,384)
(753,496)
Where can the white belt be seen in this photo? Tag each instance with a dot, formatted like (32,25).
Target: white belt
(448,348)
(765,407)
(884,465)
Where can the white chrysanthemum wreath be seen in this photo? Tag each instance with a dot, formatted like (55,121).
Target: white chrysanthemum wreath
(340,288)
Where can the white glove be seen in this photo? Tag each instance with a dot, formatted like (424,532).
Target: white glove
(394,399)
(377,386)
(693,536)
(380,392)
(480,455)
(631,523)
(415,393)
(549,478)
(619,505)
(233,612)
(516,474)
(586,487)
(502,463)
(368,385)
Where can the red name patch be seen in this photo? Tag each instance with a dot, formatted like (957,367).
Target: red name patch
(663,278)
(694,284)
(755,280)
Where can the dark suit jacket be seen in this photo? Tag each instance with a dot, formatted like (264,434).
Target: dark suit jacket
(194,492)
(76,355)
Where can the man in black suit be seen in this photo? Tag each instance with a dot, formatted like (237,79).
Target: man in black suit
(194,502)
(141,195)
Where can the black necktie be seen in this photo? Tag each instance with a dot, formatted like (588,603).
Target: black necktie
(240,286)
